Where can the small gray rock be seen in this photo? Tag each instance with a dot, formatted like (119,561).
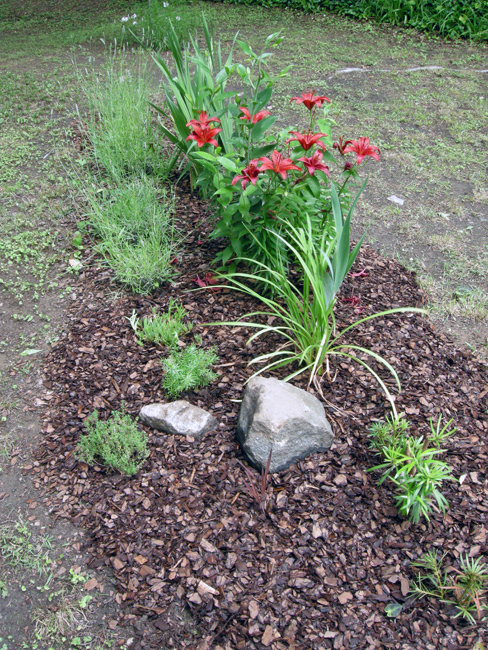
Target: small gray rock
(178,417)
(278,416)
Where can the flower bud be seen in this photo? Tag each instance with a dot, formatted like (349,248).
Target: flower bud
(348,166)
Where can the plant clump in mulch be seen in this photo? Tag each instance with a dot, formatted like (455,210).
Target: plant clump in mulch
(193,554)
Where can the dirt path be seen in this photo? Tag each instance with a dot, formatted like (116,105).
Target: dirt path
(49,597)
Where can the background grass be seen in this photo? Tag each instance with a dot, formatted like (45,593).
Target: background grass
(453,18)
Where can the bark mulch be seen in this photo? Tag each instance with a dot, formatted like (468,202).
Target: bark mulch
(198,565)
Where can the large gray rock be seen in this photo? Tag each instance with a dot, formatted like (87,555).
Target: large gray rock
(278,416)
(178,417)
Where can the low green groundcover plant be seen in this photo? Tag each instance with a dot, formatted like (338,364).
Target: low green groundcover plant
(412,464)
(187,369)
(117,442)
(161,328)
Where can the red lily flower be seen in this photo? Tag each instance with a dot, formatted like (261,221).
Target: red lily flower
(204,134)
(203,120)
(307,140)
(348,166)
(314,163)
(255,118)
(341,145)
(278,164)
(310,101)
(362,148)
(249,174)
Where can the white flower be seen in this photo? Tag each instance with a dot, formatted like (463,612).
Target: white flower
(125,19)
(134,16)
(178,18)
(165,4)
(135,22)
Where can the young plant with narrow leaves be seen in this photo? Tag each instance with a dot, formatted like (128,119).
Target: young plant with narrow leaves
(258,489)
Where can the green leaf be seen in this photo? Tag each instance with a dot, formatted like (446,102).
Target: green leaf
(245,48)
(204,154)
(328,156)
(392,610)
(227,163)
(262,126)
(221,76)
(324,126)
(314,185)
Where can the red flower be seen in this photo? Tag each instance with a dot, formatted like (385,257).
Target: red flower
(204,134)
(307,140)
(362,148)
(255,118)
(314,163)
(348,166)
(309,100)
(278,164)
(341,145)
(249,174)
(203,120)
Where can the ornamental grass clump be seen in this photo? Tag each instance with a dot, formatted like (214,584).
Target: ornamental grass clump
(300,308)
(124,138)
(117,443)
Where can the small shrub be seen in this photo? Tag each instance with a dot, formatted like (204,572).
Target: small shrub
(463,587)
(120,124)
(129,210)
(134,223)
(142,266)
(117,442)
(162,329)
(412,465)
(187,369)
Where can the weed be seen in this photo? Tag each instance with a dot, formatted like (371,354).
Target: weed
(187,369)
(3,589)
(465,589)
(59,623)
(18,548)
(412,465)
(117,442)
(76,578)
(161,329)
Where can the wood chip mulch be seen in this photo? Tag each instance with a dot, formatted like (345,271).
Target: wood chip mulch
(198,565)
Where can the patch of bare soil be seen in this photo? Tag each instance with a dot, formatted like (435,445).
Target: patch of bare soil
(197,564)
